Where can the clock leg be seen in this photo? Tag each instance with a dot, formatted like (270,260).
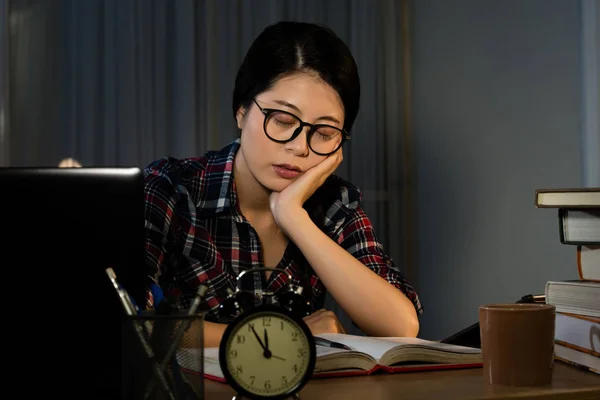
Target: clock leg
(296,396)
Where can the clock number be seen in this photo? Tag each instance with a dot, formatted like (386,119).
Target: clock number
(267,384)
(252,379)
(241,339)
(295,336)
(284,380)
(281,322)
(239,369)
(301,352)
(266,321)
(250,326)
(295,368)
(233,353)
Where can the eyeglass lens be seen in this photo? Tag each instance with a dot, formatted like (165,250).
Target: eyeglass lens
(281,126)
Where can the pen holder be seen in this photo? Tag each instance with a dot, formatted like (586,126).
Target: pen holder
(163,357)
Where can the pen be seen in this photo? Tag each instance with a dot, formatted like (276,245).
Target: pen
(319,341)
(128,304)
(191,311)
(168,357)
(131,310)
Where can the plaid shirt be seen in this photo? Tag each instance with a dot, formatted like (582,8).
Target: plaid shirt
(196,234)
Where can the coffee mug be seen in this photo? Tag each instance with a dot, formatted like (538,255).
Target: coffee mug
(517,343)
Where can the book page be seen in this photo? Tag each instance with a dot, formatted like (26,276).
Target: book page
(211,358)
(376,347)
(430,344)
(211,362)
(212,353)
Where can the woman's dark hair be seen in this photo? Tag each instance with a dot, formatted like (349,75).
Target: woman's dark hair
(288,47)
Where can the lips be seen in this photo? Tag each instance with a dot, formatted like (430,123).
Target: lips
(289,166)
(287,171)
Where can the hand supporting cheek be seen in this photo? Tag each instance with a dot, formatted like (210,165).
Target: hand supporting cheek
(291,199)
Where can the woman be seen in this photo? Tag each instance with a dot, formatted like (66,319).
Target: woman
(270,199)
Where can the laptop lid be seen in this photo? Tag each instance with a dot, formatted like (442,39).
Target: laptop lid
(62,227)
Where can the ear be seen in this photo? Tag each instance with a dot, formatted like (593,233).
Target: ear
(240,116)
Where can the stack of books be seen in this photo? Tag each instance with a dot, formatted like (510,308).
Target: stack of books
(577,332)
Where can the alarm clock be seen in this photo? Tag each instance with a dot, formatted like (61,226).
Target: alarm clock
(267,351)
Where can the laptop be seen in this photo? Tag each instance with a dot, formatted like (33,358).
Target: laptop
(470,336)
(61,229)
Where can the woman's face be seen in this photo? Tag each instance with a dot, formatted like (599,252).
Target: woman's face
(276,165)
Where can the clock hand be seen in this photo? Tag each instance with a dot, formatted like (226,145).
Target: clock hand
(257,337)
(266,352)
(266,340)
(279,358)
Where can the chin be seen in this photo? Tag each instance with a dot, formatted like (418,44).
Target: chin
(275,184)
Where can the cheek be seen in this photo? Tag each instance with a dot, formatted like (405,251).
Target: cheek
(257,146)
(258,154)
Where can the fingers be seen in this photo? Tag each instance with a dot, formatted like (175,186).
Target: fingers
(325,168)
(325,325)
(316,313)
(329,164)
(324,321)
(340,155)
(335,160)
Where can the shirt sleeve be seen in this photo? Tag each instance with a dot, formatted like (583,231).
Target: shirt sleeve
(160,198)
(180,253)
(357,235)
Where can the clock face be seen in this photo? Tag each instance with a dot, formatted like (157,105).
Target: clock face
(267,353)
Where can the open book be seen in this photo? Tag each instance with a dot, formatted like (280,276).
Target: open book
(371,354)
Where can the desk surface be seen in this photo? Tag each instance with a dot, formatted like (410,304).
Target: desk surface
(568,383)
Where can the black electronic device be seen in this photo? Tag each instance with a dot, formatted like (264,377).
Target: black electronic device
(471,337)
(62,227)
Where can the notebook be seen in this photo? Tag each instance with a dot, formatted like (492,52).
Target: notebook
(369,355)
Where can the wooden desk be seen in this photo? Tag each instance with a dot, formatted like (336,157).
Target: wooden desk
(568,383)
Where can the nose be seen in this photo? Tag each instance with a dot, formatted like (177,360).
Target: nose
(299,145)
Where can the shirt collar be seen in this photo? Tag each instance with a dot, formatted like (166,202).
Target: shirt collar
(219,184)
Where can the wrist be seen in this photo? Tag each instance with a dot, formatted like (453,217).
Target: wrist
(292,218)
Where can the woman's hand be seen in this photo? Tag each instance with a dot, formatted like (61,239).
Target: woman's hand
(290,200)
(324,321)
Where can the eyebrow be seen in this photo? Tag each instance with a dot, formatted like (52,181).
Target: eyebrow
(294,107)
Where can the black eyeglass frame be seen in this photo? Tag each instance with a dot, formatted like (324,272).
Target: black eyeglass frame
(313,128)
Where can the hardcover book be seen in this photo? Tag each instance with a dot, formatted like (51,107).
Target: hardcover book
(369,355)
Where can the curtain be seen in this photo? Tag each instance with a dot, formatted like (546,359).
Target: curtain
(4,145)
(123,82)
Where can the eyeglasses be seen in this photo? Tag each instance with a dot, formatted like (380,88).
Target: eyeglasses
(282,127)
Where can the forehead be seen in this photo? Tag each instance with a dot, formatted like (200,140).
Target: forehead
(309,93)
